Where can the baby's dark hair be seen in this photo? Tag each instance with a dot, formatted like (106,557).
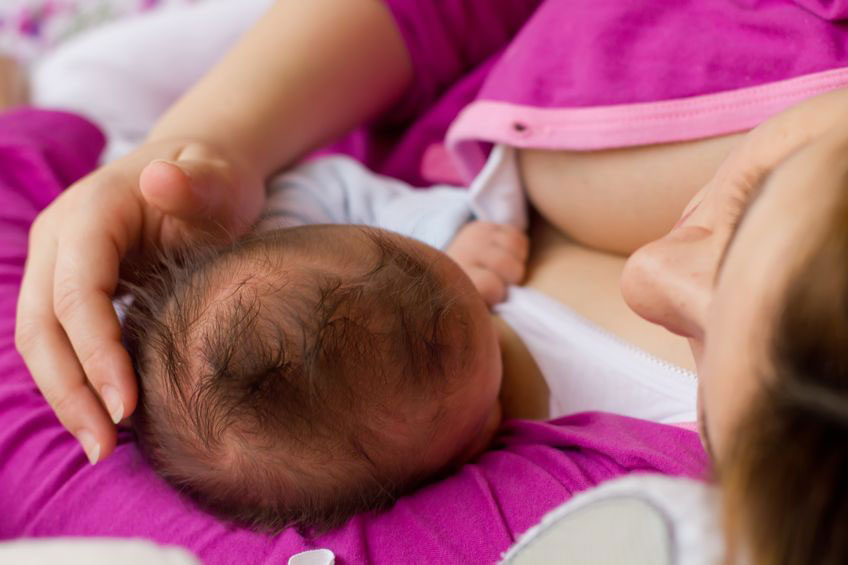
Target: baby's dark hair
(295,378)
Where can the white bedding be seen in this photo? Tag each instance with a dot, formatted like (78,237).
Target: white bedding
(91,551)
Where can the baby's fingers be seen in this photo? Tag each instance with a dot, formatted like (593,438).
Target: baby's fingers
(490,286)
(504,264)
(513,241)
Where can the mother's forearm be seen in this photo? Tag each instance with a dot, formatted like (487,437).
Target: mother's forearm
(306,73)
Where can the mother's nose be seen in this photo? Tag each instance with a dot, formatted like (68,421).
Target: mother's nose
(669,281)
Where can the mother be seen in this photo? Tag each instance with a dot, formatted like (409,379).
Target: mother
(606,201)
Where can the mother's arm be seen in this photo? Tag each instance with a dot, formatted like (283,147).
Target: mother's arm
(304,74)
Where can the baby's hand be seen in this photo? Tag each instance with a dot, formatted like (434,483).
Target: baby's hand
(493,256)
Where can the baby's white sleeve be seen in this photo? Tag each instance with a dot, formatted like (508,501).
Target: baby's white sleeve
(339,190)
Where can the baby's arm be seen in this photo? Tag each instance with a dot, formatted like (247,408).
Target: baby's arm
(338,190)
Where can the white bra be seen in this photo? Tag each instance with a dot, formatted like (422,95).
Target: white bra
(588,368)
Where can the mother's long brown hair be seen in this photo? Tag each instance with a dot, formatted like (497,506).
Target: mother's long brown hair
(786,474)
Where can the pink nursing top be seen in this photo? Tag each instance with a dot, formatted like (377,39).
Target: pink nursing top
(583,74)
(47,488)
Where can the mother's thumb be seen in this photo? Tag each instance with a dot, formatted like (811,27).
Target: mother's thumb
(190,190)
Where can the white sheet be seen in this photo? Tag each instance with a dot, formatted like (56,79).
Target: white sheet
(124,75)
(90,551)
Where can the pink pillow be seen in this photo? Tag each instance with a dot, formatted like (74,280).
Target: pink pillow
(47,487)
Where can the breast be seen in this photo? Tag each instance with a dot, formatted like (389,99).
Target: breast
(594,209)
(587,281)
(618,200)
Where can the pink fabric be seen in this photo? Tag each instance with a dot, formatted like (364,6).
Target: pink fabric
(451,62)
(691,426)
(627,125)
(827,9)
(581,54)
(396,147)
(448,39)
(48,489)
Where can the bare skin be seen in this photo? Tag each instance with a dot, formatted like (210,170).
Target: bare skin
(611,203)
(723,308)
(216,157)
(258,110)
(524,392)
(332,65)
(669,282)
(13,84)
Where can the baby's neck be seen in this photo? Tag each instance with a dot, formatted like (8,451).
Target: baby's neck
(524,391)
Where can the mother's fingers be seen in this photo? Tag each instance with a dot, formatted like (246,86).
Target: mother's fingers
(50,358)
(85,279)
(187,189)
(64,386)
(202,196)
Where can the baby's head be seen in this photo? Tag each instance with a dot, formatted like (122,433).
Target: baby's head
(307,374)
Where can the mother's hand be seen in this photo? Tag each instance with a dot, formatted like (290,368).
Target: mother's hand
(164,195)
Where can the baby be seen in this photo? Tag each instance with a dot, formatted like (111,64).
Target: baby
(308,373)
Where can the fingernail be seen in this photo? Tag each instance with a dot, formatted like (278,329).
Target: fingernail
(113,403)
(89,445)
(171,163)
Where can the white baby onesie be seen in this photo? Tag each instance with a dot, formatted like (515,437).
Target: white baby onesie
(586,368)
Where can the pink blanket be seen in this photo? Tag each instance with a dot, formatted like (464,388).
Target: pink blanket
(48,489)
